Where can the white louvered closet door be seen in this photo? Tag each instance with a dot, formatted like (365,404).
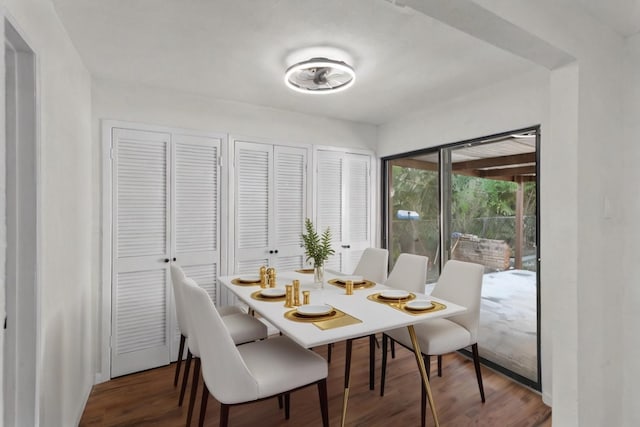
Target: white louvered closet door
(344,204)
(253,192)
(331,201)
(358,206)
(290,206)
(196,213)
(140,291)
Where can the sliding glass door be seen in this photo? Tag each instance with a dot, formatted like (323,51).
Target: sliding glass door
(413,209)
(478,200)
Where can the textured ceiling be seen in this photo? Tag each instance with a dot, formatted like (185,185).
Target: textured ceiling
(238,50)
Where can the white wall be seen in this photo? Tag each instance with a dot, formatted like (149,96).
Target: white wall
(66,355)
(170,108)
(629,155)
(581,222)
(516,103)
(165,107)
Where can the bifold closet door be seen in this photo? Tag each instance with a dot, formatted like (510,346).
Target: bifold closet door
(141,250)
(166,192)
(196,213)
(344,204)
(270,205)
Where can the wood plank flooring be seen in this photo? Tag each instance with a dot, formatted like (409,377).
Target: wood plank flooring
(149,398)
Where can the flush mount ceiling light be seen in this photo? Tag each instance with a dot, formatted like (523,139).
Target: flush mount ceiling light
(320,75)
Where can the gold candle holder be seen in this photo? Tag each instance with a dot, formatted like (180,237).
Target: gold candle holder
(272,277)
(349,287)
(288,299)
(296,292)
(263,277)
(305,297)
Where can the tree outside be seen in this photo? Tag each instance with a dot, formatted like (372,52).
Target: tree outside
(479,206)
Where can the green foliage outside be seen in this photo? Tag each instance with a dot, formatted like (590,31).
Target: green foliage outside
(479,206)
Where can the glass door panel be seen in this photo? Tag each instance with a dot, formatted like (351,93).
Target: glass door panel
(492,221)
(414,210)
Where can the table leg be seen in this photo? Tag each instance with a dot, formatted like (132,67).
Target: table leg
(423,372)
(347,380)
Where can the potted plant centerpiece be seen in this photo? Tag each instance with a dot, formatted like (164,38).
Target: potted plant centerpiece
(317,249)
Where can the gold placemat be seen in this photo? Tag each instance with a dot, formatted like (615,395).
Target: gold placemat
(365,284)
(239,282)
(400,304)
(305,271)
(335,319)
(257,295)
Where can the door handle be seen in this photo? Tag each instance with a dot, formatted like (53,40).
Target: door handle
(166,260)
(276,251)
(346,246)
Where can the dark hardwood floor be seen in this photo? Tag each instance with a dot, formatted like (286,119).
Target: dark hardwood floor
(149,398)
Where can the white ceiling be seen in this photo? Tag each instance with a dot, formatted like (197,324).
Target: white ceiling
(621,15)
(237,50)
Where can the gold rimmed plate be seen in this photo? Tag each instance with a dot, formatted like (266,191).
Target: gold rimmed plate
(248,279)
(272,293)
(311,310)
(394,295)
(419,305)
(357,280)
(305,271)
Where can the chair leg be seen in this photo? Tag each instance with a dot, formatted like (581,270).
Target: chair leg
(372,362)
(224,415)
(287,405)
(203,405)
(280,404)
(423,406)
(427,364)
(329,348)
(439,365)
(383,371)
(179,362)
(324,402)
(476,362)
(185,378)
(194,389)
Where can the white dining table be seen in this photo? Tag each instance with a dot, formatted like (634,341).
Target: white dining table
(374,317)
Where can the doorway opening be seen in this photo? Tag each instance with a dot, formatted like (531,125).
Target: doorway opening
(21,323)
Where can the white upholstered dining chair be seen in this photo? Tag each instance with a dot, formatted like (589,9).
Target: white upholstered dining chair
(242,327)
(409,273)
(253,371)
(460,283)
(373,265)
(177,275)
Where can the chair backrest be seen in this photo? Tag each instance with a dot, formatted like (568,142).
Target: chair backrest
(225,373)
(373,265)
(461,283)
(177,276)
(409,273)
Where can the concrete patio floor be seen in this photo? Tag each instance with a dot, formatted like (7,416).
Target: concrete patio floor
(507,334)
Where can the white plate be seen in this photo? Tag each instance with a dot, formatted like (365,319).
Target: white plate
(394,294)
(249,279)
(272,292)
(314,310)
(419,304)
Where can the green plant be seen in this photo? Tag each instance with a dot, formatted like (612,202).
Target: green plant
(317,247)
